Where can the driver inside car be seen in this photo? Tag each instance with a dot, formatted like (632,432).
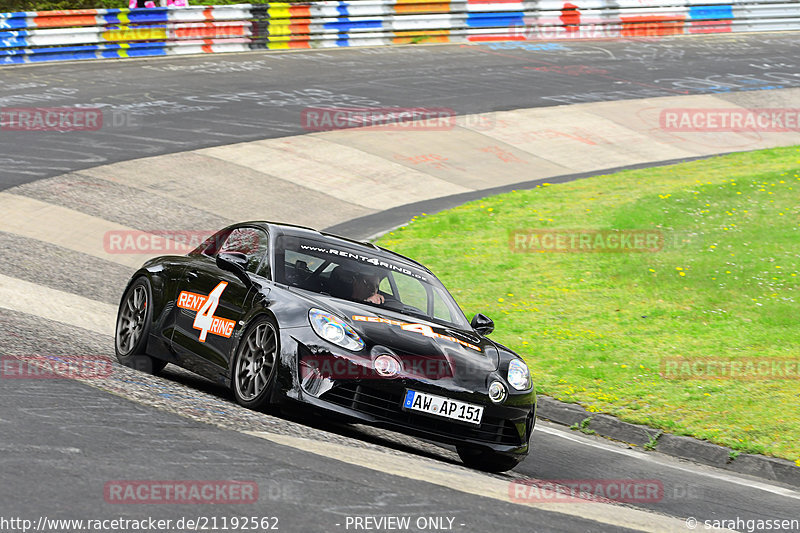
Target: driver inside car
(365,288)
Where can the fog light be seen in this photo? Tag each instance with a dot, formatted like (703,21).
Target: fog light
(497,392)
(387,366)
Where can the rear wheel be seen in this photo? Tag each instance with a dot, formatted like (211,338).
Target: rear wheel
(255,367)
(133,327)
(487,460)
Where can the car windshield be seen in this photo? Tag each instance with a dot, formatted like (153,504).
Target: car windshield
(355,274)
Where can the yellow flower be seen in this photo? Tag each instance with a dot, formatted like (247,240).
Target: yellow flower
(500,300)
(682,273)
(624,366)
(651,270)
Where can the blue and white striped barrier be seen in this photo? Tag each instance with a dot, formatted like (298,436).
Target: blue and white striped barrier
(28,37)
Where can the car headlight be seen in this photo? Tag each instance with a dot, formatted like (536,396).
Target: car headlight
(519,376)
(334,330)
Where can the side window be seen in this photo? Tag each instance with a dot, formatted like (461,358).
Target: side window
(440,309)
(412,292)
(386,287)
(253,244)
(210,245)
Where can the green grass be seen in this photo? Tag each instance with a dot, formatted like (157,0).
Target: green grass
(594,327)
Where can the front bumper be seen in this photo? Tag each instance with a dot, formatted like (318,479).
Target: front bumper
(505,428)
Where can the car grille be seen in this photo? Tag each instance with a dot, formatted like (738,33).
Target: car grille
(386,406)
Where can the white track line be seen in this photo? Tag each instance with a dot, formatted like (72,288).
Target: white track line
(68,228)
(71,309)
(472,482)
(714,474)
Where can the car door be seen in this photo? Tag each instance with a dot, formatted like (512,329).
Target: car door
(211,301)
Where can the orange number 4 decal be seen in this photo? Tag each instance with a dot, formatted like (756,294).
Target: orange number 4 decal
(205,306)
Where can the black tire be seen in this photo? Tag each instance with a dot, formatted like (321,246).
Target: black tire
(254,369)
(487,460)
(133,327)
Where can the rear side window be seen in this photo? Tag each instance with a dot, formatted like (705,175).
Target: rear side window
(251,243)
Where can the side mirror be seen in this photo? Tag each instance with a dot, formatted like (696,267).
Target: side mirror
(482,324)
(236,263)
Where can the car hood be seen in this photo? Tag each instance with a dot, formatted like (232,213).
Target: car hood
(407,335)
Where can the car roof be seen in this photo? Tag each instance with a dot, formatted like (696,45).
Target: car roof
(280,228)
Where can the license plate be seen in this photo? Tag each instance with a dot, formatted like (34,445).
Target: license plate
(444,407)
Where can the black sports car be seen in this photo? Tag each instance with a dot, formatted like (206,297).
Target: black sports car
(284,314)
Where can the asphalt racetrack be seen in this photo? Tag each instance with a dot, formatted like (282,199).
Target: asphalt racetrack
(179,104)
(63,441)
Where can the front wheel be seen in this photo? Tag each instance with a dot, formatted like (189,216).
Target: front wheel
(255,366)
(133,327)
(487,460)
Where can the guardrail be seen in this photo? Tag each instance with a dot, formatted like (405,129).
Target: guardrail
(29,37)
